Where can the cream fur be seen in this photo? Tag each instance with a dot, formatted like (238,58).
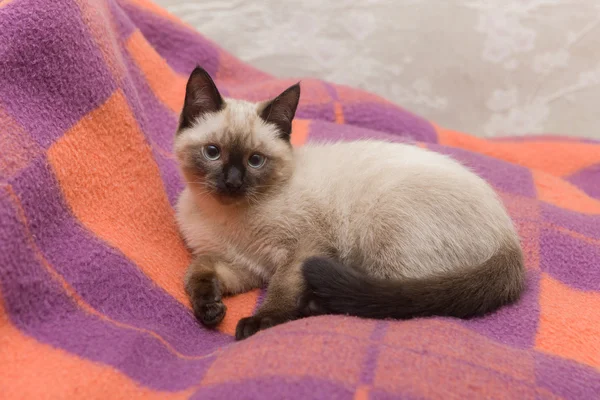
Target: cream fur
(396,210)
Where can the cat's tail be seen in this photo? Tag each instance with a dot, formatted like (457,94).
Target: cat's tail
(333,288)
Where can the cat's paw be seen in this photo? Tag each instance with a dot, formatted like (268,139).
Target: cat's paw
(309,305)
(211,313)
(247,327)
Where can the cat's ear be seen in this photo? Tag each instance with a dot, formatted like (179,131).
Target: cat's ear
(281,110)
(201,97)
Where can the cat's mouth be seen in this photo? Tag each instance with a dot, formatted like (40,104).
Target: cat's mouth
(227,197)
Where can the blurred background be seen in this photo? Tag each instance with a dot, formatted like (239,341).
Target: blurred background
(487,67)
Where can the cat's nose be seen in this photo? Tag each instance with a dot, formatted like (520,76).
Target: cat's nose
(233,183)
(234,179)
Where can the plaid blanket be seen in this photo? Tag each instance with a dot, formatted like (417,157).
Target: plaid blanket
(91,263)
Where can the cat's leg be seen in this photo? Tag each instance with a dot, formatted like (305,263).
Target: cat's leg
(208,278)
(280,305)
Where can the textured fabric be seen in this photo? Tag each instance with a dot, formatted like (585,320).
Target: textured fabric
(91,264)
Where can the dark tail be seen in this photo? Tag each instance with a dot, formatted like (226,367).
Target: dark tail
(333,288)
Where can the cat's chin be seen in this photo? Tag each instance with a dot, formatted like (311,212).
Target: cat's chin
(229,200)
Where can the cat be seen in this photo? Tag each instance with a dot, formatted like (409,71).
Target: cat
(365,228)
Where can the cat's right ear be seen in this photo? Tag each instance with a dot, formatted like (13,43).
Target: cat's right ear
(201,97)
(281,110)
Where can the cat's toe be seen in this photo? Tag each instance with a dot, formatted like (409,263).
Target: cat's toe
(210,314)
(310,305)
(247,327)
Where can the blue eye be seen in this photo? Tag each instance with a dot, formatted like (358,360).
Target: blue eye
(211,152)
(256,160)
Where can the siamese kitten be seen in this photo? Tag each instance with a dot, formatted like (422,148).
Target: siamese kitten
(365,228)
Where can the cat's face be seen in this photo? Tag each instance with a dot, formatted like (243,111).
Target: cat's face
(232,149)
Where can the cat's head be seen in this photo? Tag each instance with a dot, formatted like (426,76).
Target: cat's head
(231,149)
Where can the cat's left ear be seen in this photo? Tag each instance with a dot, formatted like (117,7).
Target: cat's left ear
(281,110)
(201,97)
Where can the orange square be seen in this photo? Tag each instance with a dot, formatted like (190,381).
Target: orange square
(555,158)
(238,307)
(36,370)
(563,194)
(447,137)
(425,374)
(529,233)
(300,129)
(462,345)
(569,322)
(274,353)
(520,207)
(525,213)
(167,86)
(110,180)
(333,324)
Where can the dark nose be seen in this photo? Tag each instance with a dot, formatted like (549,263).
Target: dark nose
(234,179)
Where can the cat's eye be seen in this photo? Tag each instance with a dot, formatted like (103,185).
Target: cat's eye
(256,160)
(211,152)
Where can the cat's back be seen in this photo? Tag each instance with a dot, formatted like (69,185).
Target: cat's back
(419,201)
(394,177)
(369,166)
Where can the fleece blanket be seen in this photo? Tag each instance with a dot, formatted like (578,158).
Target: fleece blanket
(91,263)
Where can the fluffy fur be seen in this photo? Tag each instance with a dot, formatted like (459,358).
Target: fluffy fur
(363,228)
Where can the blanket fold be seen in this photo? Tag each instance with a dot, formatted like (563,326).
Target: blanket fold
(91,263)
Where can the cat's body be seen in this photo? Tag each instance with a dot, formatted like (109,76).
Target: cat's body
(412,215)
(365,228)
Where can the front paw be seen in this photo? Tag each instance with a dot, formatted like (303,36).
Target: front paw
(211,313)
(250,325)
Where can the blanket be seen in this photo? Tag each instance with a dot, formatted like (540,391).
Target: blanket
(91,262)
